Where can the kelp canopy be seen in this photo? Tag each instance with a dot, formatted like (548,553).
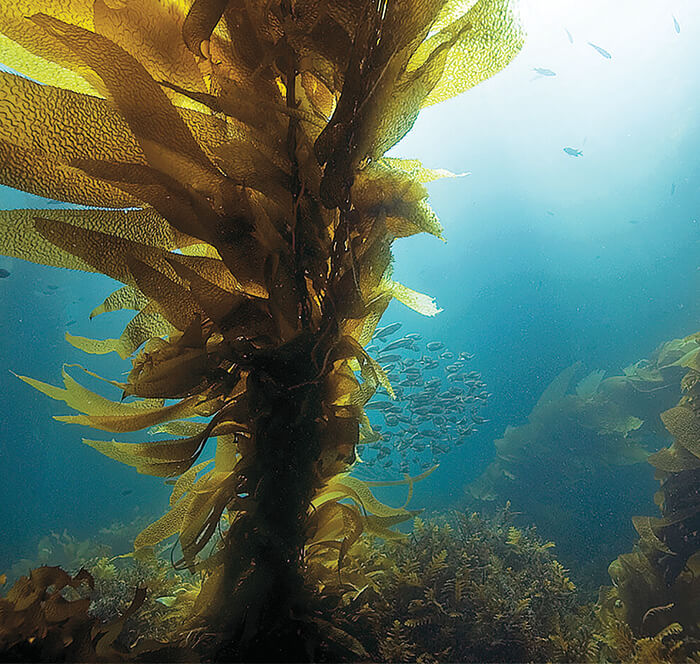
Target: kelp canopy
(234,152)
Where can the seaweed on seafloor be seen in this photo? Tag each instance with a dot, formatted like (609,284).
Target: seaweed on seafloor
(43,618)
(464,588)
(168,594)
(233,155)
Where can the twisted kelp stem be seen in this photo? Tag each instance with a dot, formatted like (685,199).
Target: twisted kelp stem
(257,595)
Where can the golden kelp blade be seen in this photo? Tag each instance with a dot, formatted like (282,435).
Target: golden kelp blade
(20,237)
(147,324)
(126,297)
(493,39)
(101,413)
(31,54)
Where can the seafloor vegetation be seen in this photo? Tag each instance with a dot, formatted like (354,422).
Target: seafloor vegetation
(228,160)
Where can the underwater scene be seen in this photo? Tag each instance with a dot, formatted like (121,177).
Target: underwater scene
(350,331)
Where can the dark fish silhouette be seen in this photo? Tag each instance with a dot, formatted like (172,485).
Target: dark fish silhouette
(4,273)
(673,188)
(676,24)
(600,50)
(386,331)
(573,152)
(126,492)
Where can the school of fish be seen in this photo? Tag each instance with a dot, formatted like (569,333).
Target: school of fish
(437,407)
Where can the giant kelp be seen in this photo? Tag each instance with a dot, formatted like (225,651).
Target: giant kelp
(657,585)
(587,430)
(235,150)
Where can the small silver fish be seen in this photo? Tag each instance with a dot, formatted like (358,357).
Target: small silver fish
(568,34)
(388,359)
(378,405)
(386,331)
(404,342)
(600,50)
(434,345)
(543,72)
(676,24)
(573,152)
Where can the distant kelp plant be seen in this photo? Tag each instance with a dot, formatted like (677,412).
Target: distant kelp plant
(234,152)
(586,430)
(656,586)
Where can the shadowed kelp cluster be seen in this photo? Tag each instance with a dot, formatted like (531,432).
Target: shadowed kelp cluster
(656,586)
(564,467)
(235,150)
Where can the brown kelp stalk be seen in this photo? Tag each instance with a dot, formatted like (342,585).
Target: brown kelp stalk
(234,152)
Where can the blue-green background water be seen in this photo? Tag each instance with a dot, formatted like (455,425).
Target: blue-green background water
(550,259)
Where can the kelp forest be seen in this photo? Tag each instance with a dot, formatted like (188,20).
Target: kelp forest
(226,163)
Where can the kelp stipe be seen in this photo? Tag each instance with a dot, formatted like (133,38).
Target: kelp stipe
(236,150)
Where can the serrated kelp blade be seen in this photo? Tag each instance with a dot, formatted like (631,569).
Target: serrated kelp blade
(126,297)
(78,397)
(121,423)
(168,525)
(423,304)
(146,325)
(164,137)
(39,174)
(31,54)
(491,40)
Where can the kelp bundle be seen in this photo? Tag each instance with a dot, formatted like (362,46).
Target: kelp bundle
(658,584)
(589,430)
(235,152)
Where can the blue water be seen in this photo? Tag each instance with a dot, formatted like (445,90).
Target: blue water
(550,259)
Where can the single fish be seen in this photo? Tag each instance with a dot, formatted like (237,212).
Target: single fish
(4,273)
(127,492)
(386,331)
(673,188)
(573,152)
(404,342)
(386,359)
(378,405)
(634,222)
(568,34)
(550,213)
(676,24)
(434,345)
(542,71)
(600,50)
